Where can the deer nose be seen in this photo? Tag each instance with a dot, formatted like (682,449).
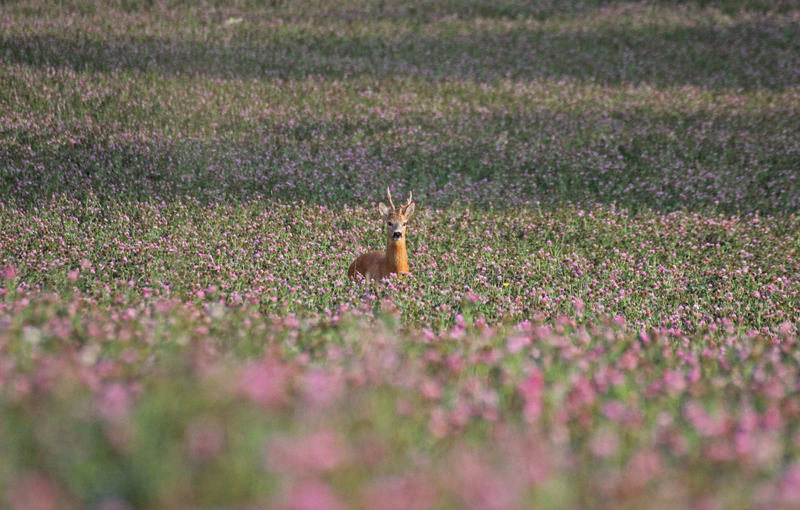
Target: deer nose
(397,235)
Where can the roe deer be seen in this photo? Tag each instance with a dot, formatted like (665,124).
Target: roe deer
(377,265)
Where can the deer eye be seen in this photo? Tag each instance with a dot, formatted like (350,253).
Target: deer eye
(389,223)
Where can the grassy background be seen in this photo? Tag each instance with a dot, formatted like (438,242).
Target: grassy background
(604,299)
(659,105)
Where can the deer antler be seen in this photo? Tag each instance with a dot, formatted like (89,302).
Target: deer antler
(409,197)
(390,198)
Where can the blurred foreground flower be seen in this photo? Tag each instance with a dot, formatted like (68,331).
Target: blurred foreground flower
(313,495)
(33,491)
(320,452)
(265,383)
(113,401)
(9,273)
(399,493)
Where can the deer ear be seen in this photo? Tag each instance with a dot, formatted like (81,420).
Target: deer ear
(383,209)
(408,211)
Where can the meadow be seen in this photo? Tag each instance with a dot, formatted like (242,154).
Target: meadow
(603,303)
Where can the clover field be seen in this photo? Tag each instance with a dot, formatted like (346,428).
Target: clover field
(602,310)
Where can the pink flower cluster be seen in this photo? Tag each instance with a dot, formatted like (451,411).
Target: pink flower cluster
(330,413)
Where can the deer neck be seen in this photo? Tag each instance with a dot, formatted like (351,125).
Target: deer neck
(396,256)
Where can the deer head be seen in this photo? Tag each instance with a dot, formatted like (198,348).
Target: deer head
(396,219)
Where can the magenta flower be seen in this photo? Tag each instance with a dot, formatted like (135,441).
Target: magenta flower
(321,452)
(582,394)
(114,401)
(430,389)
(537,460)
(481,488)
(614,410)
(516,343)
(532,390)
(9,273)
(264,383)
(320,388)
(674,382)
(313,495)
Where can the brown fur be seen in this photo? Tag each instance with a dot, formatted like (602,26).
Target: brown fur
(377,265)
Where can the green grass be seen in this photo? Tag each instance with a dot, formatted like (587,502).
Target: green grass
(683,270)
(641,105)
(603,303)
